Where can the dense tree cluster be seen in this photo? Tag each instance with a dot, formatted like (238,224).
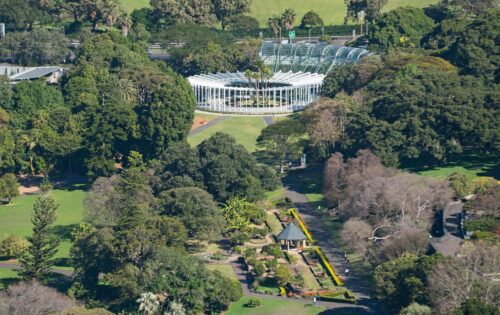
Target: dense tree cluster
(409,106)
(141,247)
(113,101)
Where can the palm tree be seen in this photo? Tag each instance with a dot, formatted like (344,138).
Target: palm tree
(125,23)
(288,18)
(274,24)
(111,11)
(30,141)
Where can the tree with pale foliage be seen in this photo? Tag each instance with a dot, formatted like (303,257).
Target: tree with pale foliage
(416,309)
(33,298)
(455,280)
(149,303)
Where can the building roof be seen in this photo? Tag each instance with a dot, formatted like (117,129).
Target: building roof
(34,73)
(291,233)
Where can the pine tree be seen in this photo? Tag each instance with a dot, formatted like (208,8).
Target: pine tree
(37,260)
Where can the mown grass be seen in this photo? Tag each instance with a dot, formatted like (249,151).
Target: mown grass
(244,129)
(471,164)
(225,269)
(331,11)
(275,307)
(7,277)
(15,218)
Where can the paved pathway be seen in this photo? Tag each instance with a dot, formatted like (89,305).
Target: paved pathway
(268,120)
(318,230)
(208,125)
(450,243)
(67,273)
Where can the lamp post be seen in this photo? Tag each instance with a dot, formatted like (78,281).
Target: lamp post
(310,33)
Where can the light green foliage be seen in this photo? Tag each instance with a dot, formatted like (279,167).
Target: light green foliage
(416,309)
(13,246)
(238,214)
(461,185)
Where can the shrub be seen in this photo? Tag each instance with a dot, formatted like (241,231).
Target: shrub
(259,233)
(249,252)
(273,250)
(253,302)
(13,246)
(267,290)
(272,264)
(217,256)
(486,224)
(238,238)
(259,268)
(291,258)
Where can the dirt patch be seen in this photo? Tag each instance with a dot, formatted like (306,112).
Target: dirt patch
(198,122)
(28,190)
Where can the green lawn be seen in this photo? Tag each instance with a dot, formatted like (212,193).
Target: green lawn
(226,270)
(130,5)
(276,195)
(331,11)
(274,307)
(243,128)
(7,277)
(470,163)
(15,218)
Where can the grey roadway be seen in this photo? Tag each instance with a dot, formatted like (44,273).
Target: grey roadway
(366,304)
(450,243)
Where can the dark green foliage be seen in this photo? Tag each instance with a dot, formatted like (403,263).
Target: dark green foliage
(273,250)
(341,78)
(31,97)
(166,117)
(476,307)
(242,23)
(445,34)
(402,281)
(9,188)
(414,116)
(37,261)
(188,282)
(282,139)
(372,9)
(476,50)
(196,209)
(22,14)
(310,20)
(228,169)
(38,47)
(402,27)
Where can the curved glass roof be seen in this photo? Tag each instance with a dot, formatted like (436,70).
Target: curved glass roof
(306,57)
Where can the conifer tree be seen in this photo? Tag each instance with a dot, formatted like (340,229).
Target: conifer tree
(38,258)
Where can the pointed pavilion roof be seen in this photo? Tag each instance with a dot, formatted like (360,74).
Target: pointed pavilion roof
(291,233)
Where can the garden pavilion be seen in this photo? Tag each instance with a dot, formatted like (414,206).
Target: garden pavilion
(292,236)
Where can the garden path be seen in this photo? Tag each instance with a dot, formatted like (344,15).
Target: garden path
(208,125)
(320,233)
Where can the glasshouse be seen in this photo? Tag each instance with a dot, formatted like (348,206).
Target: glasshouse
(297,70)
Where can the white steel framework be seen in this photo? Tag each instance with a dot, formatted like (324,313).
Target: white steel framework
(234,93)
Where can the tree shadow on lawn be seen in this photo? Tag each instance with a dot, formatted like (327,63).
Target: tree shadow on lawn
(6,282)
(484,164)
(63,232)
(306,181)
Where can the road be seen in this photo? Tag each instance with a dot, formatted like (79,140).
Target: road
(450,243)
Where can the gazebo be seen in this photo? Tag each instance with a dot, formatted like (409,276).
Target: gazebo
(293,236)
